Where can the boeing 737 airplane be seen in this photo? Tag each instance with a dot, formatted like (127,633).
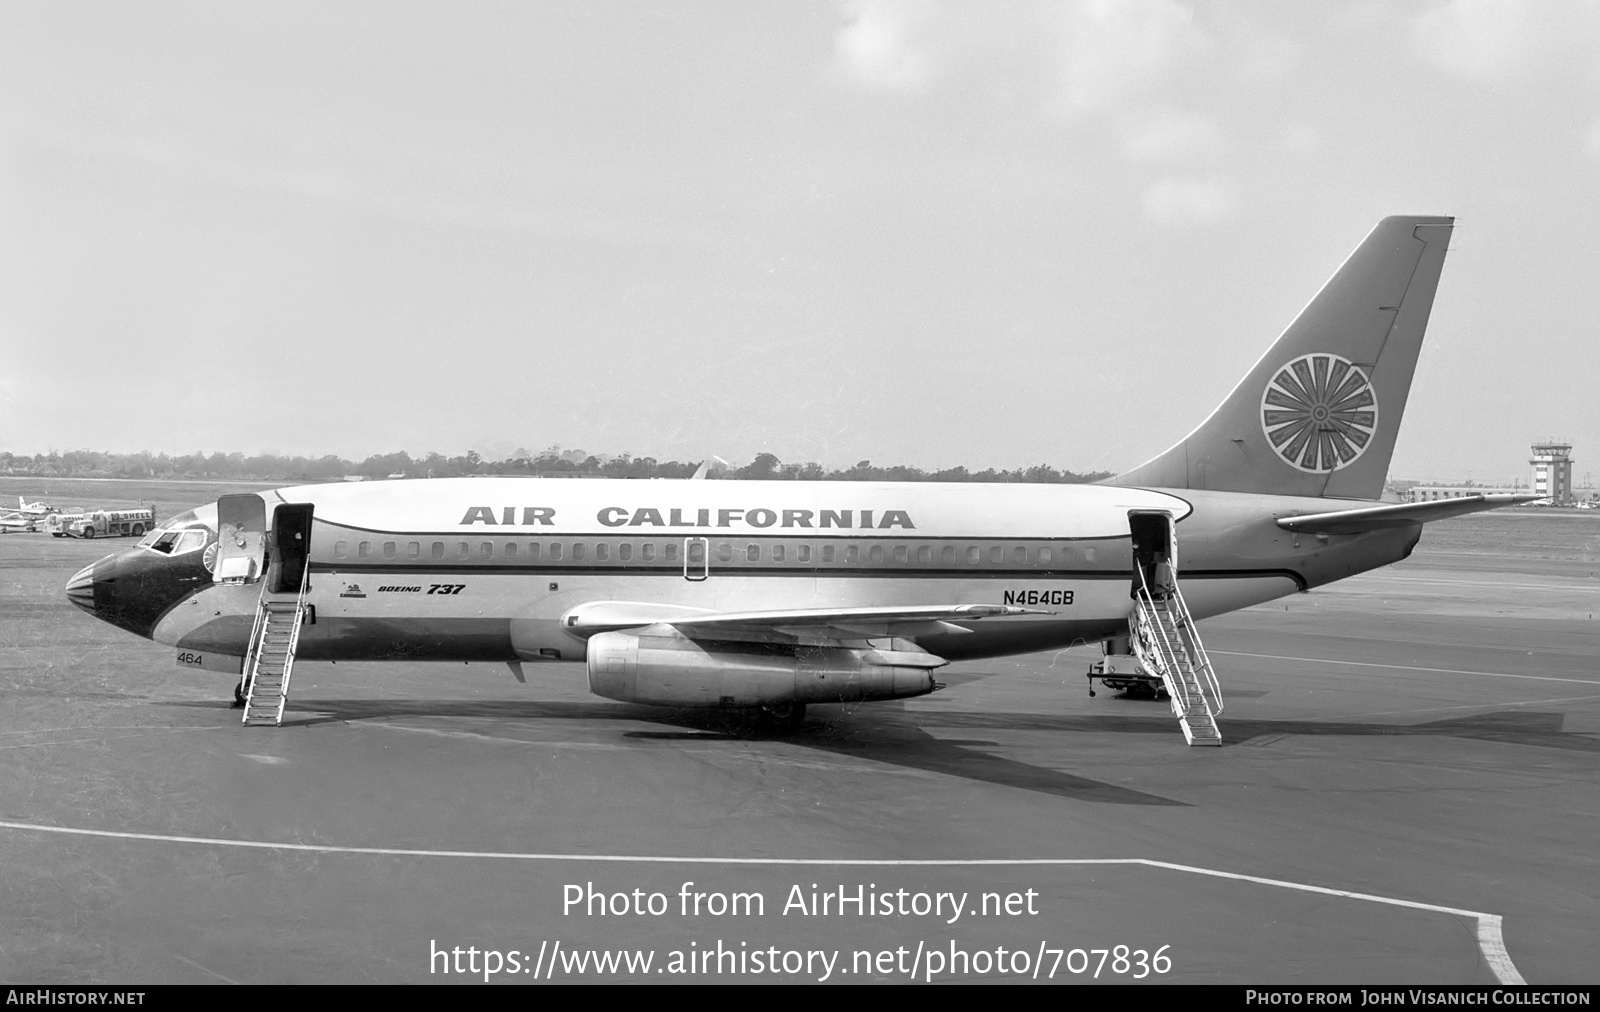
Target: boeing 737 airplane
(776,594)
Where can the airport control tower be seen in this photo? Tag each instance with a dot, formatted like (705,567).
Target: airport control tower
(1552,471)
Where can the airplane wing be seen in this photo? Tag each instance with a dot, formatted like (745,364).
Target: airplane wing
(809,626)
(1372,518)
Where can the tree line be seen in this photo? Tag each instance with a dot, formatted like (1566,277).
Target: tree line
(551,462)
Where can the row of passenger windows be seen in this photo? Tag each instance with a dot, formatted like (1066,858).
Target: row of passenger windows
(578,551)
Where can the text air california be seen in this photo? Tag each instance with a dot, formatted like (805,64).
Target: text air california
(758,518)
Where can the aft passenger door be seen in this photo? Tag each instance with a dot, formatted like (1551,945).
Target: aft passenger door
(1155,551)
(241,539)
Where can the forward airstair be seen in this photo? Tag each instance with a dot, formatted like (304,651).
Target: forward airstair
(1165,639)
(271,656)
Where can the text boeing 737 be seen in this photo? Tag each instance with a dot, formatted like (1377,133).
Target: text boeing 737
(775,594)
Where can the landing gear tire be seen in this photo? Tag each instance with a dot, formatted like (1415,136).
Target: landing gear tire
(784,716)
(238,695)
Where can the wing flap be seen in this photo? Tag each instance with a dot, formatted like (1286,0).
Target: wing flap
(816,625)
(1373,518)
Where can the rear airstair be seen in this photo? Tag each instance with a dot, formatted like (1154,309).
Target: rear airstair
(271,656)
(1165,639)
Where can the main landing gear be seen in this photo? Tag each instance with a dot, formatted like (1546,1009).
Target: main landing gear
(783,716)
(238,696)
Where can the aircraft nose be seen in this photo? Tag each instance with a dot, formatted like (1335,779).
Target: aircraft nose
(80,589)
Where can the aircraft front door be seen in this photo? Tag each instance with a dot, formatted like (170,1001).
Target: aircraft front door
(696,559)
(241,539)
(1155,552)
(291,547)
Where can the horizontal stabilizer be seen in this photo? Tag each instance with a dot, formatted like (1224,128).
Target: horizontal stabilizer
(1372,518)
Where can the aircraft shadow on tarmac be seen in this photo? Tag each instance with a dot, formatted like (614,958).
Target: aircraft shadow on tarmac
(892,734)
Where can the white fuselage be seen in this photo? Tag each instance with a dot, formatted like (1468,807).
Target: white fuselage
(485,568)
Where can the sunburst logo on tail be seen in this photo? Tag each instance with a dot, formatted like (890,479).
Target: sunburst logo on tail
(1319,412)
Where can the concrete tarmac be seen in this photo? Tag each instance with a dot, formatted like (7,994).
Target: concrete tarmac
(1428,735)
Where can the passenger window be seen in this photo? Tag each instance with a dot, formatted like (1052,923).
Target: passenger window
(1088,556)
(777,553)
(902,553)
(624,553)
(875,553)
(364,549)
(947,555)
(972,555)
(802,553)
(511,549)
(827,553)
(997,555)
(388,549)
(671,552)
(533,551)
(463,550)
(341,549)
(602,553)
(438,550)
(724,552)
(413,550)
(924,554)
(752,553)
(577,551)
(647,553)
(486,550)
(1019,556)
(1064,555)
(555,551)
(851,553)
(1044,556)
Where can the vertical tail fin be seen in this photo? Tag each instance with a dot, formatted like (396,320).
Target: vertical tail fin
(1318,414)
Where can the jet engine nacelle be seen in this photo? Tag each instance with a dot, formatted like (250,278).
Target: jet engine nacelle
(661,666)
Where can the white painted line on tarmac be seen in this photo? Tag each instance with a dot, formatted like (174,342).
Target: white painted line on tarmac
(115,737)
(1490,941)
(1407,667)
(1581,585)
(1480,706)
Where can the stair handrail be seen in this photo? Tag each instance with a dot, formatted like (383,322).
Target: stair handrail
(294,642)
(1200,648)
(252,654)
(1173,680)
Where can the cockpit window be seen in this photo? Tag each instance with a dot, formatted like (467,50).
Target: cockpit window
(175,542)
(183,533)
(161,541)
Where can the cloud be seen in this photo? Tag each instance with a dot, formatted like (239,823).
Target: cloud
(884,45)
(1300,138)
(1171,136)
(1188,201)
(1591,142)
(1110,49)
(1500,38)
(1077,56)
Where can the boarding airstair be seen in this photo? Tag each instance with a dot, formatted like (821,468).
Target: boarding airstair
(1164,638)
(271,656)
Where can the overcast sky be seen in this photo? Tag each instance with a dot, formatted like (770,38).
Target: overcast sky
(977,233)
